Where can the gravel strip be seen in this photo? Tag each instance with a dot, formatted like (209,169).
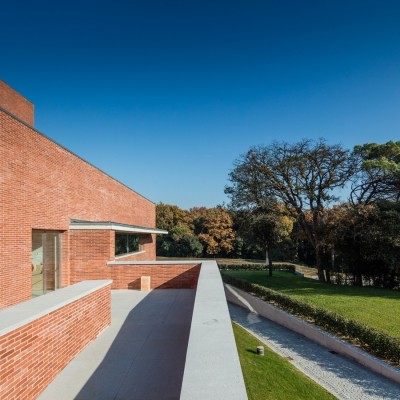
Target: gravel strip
(341,377)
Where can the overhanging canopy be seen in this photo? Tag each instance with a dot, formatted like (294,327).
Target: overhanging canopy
(114,226)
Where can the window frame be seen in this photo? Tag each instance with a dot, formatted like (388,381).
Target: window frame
(128,251)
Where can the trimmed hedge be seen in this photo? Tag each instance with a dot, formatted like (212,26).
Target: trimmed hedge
(373,341)
(256,267)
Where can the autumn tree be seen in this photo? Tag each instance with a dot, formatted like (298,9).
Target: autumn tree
(214,228)
(180,240)
(302,176)
(168,216)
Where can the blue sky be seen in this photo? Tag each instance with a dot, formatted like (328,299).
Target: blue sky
(164,95)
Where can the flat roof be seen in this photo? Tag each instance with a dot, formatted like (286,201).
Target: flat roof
(141,355)
(76,224)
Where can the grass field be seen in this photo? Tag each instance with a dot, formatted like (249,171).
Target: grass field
(377,308)
(271,376)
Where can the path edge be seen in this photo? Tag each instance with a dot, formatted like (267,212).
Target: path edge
(258,306)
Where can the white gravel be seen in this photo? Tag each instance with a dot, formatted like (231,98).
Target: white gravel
(340,376)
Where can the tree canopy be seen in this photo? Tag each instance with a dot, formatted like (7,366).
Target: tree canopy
(378,176)
(303,176)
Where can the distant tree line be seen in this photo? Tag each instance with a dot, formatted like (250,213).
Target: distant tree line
(199,232)
(284,205)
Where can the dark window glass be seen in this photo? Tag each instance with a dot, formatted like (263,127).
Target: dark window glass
(126,243)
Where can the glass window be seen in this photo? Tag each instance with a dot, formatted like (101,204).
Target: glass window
(126,243)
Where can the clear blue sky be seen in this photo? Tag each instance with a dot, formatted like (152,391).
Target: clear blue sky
(164,95)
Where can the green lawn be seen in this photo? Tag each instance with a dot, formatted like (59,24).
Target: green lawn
(377,308)
(271,377)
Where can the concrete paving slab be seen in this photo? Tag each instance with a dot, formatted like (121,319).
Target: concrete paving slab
(141,356)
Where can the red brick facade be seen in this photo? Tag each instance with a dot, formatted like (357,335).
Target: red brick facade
(31,356)
(16,104)
(91,250)
(178,276)
(43,186)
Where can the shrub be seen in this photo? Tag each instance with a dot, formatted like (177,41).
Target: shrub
(373,341)
(256,267)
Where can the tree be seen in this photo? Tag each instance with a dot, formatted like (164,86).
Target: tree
(214,227)
(180,242)
(303,176)
(378,176)
(168,216)
(269,226)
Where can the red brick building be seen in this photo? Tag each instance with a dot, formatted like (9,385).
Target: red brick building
(61,218)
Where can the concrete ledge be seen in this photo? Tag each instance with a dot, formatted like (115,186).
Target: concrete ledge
(255,305)
(40,337)
(212,368)
(134,263)
(21,314)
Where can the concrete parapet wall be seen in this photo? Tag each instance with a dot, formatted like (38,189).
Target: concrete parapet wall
(212,368)
(254,304)
(38,338)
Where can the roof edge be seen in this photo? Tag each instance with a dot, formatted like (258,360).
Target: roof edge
(74,154)
(114,226)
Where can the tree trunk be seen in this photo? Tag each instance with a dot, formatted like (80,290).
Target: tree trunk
(268,260)
(321,275)
(358,279)
(328,275)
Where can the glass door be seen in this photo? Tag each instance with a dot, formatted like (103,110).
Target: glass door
(46,251)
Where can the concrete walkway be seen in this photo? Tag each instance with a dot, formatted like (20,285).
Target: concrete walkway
(141,356)
(340,376)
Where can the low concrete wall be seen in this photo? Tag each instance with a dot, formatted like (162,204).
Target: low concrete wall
(254,304)
(39,337)
(163,275)
(212,368)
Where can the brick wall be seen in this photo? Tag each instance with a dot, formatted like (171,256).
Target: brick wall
(32,356)
(163,276)
(43,186)
(92,249)
(16,104)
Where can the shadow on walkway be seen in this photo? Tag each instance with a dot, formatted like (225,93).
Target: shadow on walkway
(146,358)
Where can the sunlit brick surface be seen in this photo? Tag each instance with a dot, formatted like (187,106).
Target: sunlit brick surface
(16,104)
(179,276)
(31,356)
(43,186)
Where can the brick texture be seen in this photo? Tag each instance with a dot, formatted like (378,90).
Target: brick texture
(91,250)
(179,276)
(16,104)
(32,356)
(43,186)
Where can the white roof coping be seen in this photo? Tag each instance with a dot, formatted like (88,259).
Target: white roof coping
(133,263)
(212,367)
(113,226)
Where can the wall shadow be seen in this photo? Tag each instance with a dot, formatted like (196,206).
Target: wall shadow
(146,358)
